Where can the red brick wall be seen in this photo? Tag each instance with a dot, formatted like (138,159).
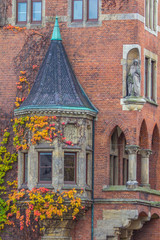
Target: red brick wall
(95,54)
(149,231)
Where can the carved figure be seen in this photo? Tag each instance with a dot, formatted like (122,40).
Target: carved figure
(134,79)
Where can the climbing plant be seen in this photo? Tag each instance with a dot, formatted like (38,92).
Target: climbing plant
(30,210)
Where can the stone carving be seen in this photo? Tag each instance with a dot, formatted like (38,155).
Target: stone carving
(134,79)
(70,133)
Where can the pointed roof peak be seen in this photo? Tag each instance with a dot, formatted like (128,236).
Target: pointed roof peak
(56,31)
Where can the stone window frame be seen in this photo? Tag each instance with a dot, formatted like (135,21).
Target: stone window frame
(17,2)
(125,165)
(126,49)
(29,23)
(88,169)
(114,161)
(33,163)
(118,156)
(151,57)
(151,16)
(75,168)
(77,150)
(39,167)
(85,21)
(24,172)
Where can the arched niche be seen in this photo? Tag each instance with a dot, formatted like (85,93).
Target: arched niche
(130,52)
(132,100)
(143,136)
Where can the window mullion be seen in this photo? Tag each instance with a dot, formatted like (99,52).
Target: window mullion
(29,12)
(149,79)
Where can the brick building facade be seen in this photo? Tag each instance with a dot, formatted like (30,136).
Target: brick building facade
(102,43)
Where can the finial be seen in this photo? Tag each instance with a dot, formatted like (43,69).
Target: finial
(56,31)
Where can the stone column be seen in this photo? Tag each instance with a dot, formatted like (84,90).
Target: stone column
(145,153)
(132,169)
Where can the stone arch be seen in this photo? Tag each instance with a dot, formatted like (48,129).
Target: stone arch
(143,144)
(118,157)
(117,123)
(143,136)
(143,214)
(153,164)
(155,216)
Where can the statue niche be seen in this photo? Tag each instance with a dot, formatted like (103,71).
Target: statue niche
(134,79)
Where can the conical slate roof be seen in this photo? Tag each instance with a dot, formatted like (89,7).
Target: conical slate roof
(56,86)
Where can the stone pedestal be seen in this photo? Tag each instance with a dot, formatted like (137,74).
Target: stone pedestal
(132,103)
(132,169)
(145,153)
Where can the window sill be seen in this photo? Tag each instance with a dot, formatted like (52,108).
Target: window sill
(151,31)
(70,186)
(45,185)
(151,102)
(29,25)
(85,24)
(23,186)
(123,188)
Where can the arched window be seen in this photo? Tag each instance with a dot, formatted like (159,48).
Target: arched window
(118,158)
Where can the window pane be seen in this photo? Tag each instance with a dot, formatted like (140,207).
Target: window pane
(69,175)
(93,9)
(152,79)
(69,161)
(26,167)
(37,11)
(69,167)
(45,174)
(77,9)
(45,167)
(45,159)
(22,12)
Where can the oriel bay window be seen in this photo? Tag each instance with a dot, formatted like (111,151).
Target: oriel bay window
(70,168)
(45,167)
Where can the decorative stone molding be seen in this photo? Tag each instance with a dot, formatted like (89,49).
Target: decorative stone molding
(145,153)
(132,103)
(118,224)
(51,112)
(59,230)
(132,149)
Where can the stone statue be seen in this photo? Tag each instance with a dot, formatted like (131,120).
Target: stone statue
(134,79)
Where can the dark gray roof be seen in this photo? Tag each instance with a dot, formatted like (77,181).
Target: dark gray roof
(56,85)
